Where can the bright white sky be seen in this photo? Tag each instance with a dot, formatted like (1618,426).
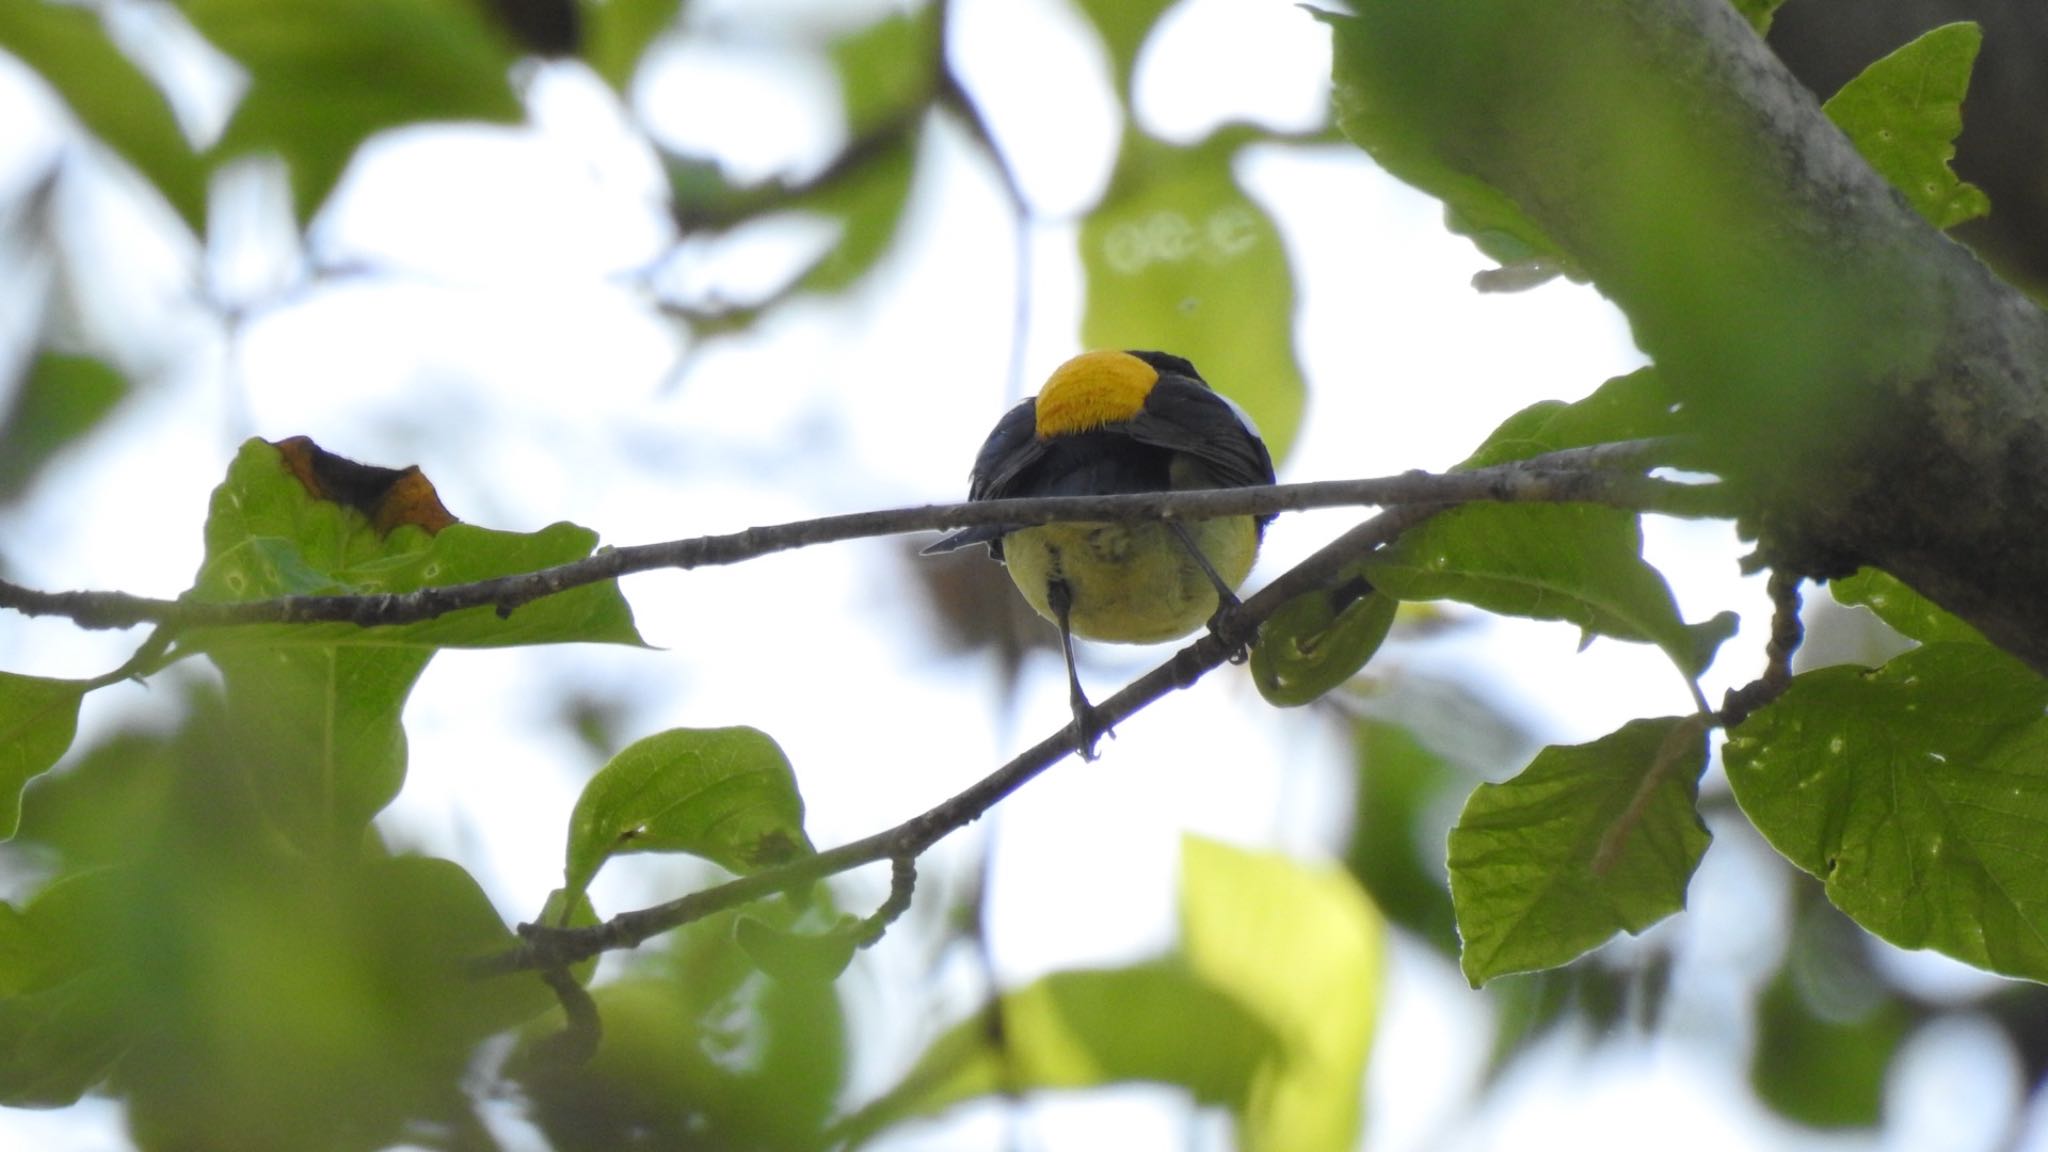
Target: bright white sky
(513,357)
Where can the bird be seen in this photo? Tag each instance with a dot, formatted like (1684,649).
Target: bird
(1111,423)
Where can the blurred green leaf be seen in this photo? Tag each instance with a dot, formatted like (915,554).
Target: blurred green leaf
(888,69)
(326,75)
(1179,259)
(1912,614)
(618,33)
(1827,1028)
(1308,646)
(1916,792)
(817,957)
(61,399)
(1382,106)
(38,718)
(725,794)
(1758,13)
(1396,846)
(1084,1029)
(1590,840)
(868,200)
(1904,113)
(698,1051)
(68,46)
(1125,25)
(1301,947)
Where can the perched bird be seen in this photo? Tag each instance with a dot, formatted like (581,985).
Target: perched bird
(1111,423)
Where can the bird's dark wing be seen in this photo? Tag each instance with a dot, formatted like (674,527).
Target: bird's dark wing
(1007,454)
(1182,415)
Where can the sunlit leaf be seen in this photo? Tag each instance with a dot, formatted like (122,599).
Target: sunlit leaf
(1912,614)
(1301,948)
(1632,406)
(61,399)
(1083,1029)
(725,794)
(1179,259)
(326,75)
(1589,840)
(1916,792)
(38,718)
(68,46)
(1904,113)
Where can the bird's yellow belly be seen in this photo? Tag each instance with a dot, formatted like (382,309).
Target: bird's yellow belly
(1131,583)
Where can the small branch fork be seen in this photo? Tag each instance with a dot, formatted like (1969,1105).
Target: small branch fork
(544,947)
(1607,474)
(1575,476)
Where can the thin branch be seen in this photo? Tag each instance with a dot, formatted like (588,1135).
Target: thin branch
(1787,633)
(1559,478)
(545,947)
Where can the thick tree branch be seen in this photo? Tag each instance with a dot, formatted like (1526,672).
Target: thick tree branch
(1873,391)
(1574,477)
(545,948)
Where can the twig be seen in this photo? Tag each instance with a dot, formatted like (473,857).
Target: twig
(545,947)
(1573,477)
(1786,635)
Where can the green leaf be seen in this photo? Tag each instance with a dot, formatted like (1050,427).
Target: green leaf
(326,75)
(1308,646)
(1827,1027)
(887,70)
(1758,13)
(868,200)
(1628,407)
(1916,792)
(1125,25)
(617,33)
(1380,91)
(815,957)
(1178,258)
(1579,563)
(1590,840)
(1396,848)
(266,536)
(725,794)
(321,705)
(1904,112)
(60,400)
(38,718)
(1912,614)
(1301,947)
(1084,1029)
(68,46)
(698,1052)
